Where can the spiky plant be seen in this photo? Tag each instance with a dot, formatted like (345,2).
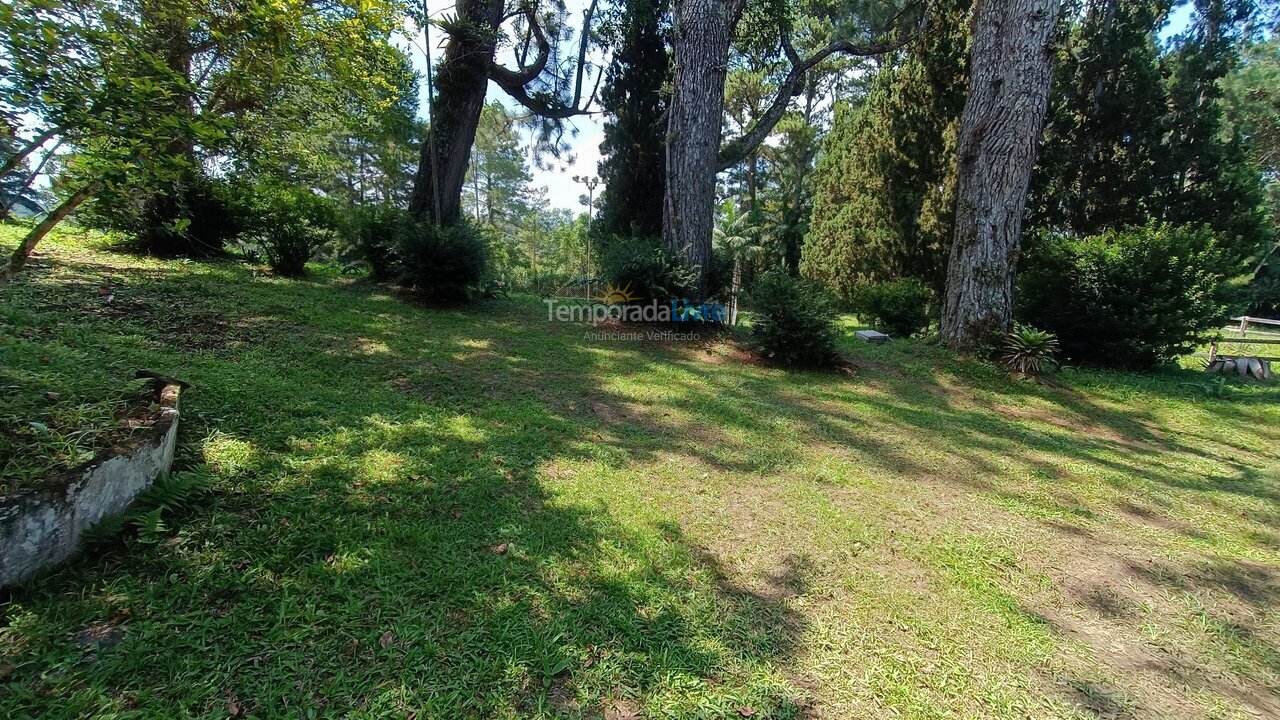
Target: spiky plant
(1028,350)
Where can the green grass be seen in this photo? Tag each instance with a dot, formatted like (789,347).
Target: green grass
(683,534)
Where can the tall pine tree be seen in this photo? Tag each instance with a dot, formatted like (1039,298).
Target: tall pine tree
(1135,135)
(634,164)
(884,191)
(1207,176)
(1103,136)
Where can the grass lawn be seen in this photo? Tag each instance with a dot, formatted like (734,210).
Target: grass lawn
(480,513)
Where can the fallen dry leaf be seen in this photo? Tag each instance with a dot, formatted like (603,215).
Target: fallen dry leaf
(500,549)
(622,710)
(387,638)
(747,711)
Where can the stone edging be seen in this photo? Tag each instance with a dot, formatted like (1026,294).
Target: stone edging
(42,526)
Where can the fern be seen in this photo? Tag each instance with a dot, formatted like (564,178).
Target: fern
(170,494)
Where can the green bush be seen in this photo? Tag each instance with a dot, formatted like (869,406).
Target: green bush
(371,231)
(1129,299)
(292,223)
(900,308)
(793,320)
(649,269)
(191,216)
(1264,291)
(440,263)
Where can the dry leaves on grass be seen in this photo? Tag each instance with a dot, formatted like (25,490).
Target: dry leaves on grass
(622,710)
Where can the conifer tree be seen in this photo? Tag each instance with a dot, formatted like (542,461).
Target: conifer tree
(885,184)
(1103,135)
(634,165)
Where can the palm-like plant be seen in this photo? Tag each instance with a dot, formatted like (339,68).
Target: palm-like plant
(741,241)
(1027,350)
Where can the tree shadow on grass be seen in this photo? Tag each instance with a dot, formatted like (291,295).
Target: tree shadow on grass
(387,541)
(383,543)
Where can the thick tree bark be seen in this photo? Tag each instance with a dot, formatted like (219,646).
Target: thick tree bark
(701,35)
(33,238)
(1010,77)
(702,32)
(461,85)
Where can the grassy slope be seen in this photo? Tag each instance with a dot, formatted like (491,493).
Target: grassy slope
(686,535)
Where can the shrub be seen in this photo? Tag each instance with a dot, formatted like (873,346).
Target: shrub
(440,263)
(371,231)
(647,267)
(1264,291)
(1027,350)
(901,308)
(191,216)
(1131,298)
(793,320)
(292,223)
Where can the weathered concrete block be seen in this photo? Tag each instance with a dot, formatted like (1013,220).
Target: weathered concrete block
(872,336)
(42,526)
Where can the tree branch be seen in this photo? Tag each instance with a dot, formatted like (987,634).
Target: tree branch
(737,150)
(13,160)
(515,82)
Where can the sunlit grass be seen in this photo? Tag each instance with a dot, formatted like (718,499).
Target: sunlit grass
(548,526)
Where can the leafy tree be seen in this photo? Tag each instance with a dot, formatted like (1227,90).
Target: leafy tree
(1251,99)
(151,95)
(635,100)
(885,185)
(1137,134)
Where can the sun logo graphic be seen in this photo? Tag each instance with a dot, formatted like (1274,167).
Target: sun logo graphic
(614,295)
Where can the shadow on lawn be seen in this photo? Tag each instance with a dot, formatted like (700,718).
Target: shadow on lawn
(388,542)
(385,543)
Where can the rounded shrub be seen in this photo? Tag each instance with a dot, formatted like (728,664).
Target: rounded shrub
(900,308)
(440,263)
(371,231)
(292,223)
(1131,299)
(793,320)
(645,266)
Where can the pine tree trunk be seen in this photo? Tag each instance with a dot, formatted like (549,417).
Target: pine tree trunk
(461,84)
(701,35)
(1010,77)
(33,238)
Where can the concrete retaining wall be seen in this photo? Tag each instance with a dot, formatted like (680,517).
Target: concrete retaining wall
(42,526)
